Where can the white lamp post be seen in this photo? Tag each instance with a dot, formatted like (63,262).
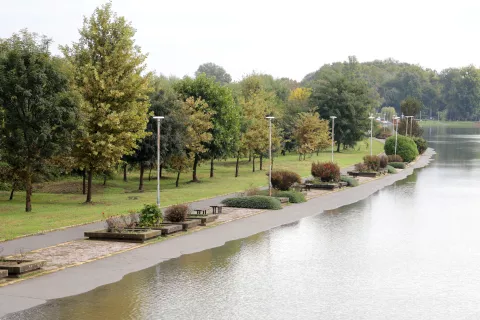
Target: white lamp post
(270,157)
(371,133)
(333,132)
(158,118)
(396,132)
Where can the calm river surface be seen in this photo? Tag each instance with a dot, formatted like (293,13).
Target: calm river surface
(410,251)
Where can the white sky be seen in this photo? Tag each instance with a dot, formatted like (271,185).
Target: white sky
(282,38)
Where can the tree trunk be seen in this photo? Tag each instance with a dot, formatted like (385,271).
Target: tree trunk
(142,170)
(150,173)
(84,186)
(178,178)
(14,184)
(89,188)
(253,161)
(211,167)
(195,164)
(104,180)
(125,178)
(304,156)
(338,146)
(28,185)
(299,157)
(261,162)
(161,169)
(236,165)
(250,157)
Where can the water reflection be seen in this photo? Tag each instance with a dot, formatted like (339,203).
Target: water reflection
(410,251)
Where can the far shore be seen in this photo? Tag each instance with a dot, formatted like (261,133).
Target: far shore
(86,277)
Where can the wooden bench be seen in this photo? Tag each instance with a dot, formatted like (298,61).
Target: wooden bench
(201,211)
(306,187)
(217,208)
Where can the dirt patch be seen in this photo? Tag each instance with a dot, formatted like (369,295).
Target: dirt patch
(65,187)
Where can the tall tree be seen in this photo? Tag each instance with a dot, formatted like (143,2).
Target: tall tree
(348,98)
(39,111)
(225,115)
(311,133)
(410,106)
(108,69)
(388,113)
(210,69)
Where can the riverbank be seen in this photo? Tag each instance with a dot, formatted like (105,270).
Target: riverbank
(88,276)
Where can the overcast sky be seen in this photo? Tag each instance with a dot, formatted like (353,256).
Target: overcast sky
(282,38)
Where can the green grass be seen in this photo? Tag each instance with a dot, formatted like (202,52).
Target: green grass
(450,124)
(56,210)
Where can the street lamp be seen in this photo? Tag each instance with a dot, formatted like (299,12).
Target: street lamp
(333,132)
(270,157)
(371,133)
(158,118)
(396,132)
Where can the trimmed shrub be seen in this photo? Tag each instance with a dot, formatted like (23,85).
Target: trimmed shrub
(398,165)
(177,213)
(391,169)
(421,143)
(352,182)
(326,171)
(150,215)
(283,180)
(394,158)
(383,161)
(293,196)
(254,202)
(406,148)
(361,167)
(372,162)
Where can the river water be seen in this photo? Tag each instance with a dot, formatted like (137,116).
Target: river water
(410,251)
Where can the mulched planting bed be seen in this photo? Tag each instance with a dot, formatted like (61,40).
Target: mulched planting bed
(362,174)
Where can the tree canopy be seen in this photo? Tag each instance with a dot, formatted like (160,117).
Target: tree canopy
(210,69)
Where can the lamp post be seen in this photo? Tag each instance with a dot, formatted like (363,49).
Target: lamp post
(270,156)
(371,134)
(158,118)
(333,132)
(396,132)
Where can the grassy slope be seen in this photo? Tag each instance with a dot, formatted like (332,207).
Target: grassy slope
(51,211)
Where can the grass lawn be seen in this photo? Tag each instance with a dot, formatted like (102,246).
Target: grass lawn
(451,124)
(60,203)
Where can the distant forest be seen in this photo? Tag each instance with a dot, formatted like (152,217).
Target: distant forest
(452,94)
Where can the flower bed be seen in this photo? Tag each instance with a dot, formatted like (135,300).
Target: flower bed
(134,235)
(16,267)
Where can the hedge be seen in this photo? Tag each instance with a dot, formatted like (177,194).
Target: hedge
(391,169)
(406,148)
(421,144)
(352,182)
(397,165)
(253,202)
(293,196)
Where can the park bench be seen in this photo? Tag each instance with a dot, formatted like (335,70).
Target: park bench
(217,208)
(306,187)
(201,211)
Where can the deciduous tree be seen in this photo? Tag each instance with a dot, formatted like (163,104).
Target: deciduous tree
(311,133)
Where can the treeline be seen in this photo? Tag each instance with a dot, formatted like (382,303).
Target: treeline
(452,94)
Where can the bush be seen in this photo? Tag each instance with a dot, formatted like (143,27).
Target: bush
(283,180)
(326,171)
(391,169)
(398,165)
(177,213)
(372,162)
(421,144)
(150,216)
(253,202)
(383,135)
(383,161)
(293,196)
(406,148)
(352,182)
(394,158)
(361,167)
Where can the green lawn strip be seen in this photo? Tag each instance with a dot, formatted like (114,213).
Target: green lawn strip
(57,210)
(450,124)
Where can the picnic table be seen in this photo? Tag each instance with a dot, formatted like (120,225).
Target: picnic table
(201,211)
(217,208)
